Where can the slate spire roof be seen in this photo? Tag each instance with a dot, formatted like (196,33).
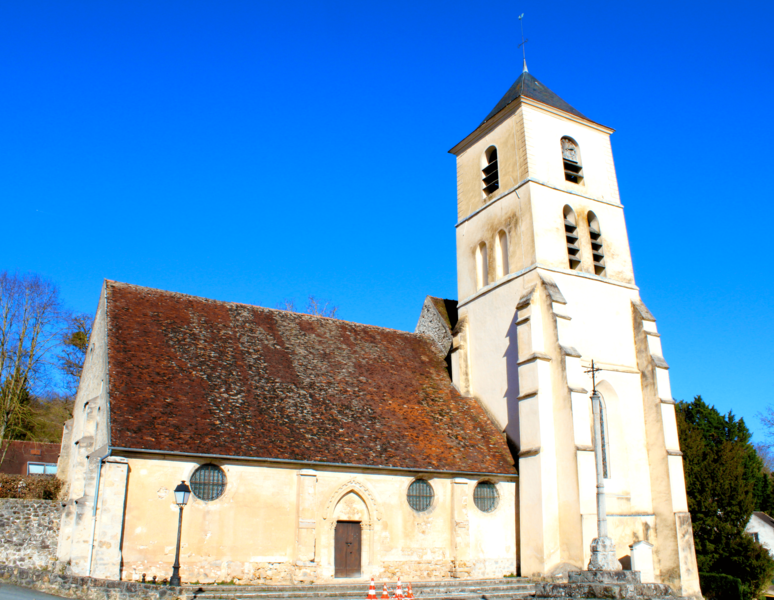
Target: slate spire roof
(526,85)
(204,377)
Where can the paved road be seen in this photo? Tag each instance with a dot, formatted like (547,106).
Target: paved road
(12,592)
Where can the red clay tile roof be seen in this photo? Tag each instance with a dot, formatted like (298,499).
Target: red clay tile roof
(193,375)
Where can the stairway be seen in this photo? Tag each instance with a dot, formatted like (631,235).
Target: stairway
(511,588)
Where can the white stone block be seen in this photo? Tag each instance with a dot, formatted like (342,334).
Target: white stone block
(642,560)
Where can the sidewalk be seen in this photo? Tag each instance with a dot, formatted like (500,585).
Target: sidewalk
(12,592)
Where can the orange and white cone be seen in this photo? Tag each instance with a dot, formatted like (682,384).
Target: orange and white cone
(398,591)
(410,592)
(385,593)
(371,590)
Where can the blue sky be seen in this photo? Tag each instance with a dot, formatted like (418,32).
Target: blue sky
(253,152)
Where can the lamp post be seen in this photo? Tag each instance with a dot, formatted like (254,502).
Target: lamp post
(182,492)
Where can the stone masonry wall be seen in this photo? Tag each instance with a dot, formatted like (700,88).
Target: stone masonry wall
(29,530)
(432,325)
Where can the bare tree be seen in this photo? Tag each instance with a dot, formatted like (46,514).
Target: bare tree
(767,418)
(75,343)
(766,455)
(287,304)
(319,308)
(30,327)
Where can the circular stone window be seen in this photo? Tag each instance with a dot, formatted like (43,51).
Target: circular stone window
(420,495)
(485,496)
(208,482)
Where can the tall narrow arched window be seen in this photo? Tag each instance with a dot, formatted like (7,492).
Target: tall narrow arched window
(571,235)
(597,248)
(482,266)
(573,169)
(489,171)
(501,254)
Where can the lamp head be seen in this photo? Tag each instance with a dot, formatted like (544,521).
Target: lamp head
(182,491)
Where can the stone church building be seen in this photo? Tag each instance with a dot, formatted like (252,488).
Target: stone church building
(320,449)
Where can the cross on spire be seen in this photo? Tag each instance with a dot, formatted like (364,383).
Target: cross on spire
(523,42)
(593,370)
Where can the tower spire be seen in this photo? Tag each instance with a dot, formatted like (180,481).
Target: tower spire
(523,42)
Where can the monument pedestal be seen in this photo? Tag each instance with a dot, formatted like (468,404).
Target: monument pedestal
(603,556)
(603,585)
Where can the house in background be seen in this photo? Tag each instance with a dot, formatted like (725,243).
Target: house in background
(30,458)
(761,528)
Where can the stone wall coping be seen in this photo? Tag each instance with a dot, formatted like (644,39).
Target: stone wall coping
(29,501)
(90,588)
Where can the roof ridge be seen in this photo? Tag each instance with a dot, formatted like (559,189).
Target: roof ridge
(279,310)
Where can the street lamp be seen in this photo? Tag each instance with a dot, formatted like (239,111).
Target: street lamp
(182,492)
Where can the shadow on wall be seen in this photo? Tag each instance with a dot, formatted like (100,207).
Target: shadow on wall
(512,390)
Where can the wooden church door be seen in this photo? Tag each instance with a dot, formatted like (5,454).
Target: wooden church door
(347,549)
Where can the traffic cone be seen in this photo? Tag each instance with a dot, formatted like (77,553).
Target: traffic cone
(410,593)
(385,593)
(371,591)
(398,591)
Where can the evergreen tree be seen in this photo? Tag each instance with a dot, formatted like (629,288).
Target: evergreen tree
(725,481)
(22,422)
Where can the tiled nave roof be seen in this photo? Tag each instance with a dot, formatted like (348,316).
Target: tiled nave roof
(199,376)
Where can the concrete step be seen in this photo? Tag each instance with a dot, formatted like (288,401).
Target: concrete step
(457,589)
(494,589)
(424,594)
(360,586)
(483,595)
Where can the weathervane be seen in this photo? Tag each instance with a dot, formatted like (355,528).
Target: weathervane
(523,42)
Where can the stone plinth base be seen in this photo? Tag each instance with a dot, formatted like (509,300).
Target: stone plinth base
(632,577)
(603,584)
(603,555)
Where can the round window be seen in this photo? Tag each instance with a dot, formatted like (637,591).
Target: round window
(485,496)
(208,482)
(420,495)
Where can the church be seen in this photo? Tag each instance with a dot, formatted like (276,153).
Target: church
(323,450)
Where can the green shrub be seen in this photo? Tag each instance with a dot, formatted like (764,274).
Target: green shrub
(716,586)
(29,487)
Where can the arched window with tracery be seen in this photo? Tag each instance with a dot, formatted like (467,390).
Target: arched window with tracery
(482,266)
(501,254)
(573,168)
(571,235)
(597,249)
(490,175)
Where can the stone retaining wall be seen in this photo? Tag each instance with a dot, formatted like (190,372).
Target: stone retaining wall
(29,530)
(88,588)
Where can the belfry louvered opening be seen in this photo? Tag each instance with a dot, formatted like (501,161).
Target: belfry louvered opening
(571,235)
(573,170)
(489,171)
(597,248)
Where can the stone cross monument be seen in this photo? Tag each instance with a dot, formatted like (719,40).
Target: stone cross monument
(602,547)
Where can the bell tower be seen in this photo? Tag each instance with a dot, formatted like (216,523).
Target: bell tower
(545,286)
